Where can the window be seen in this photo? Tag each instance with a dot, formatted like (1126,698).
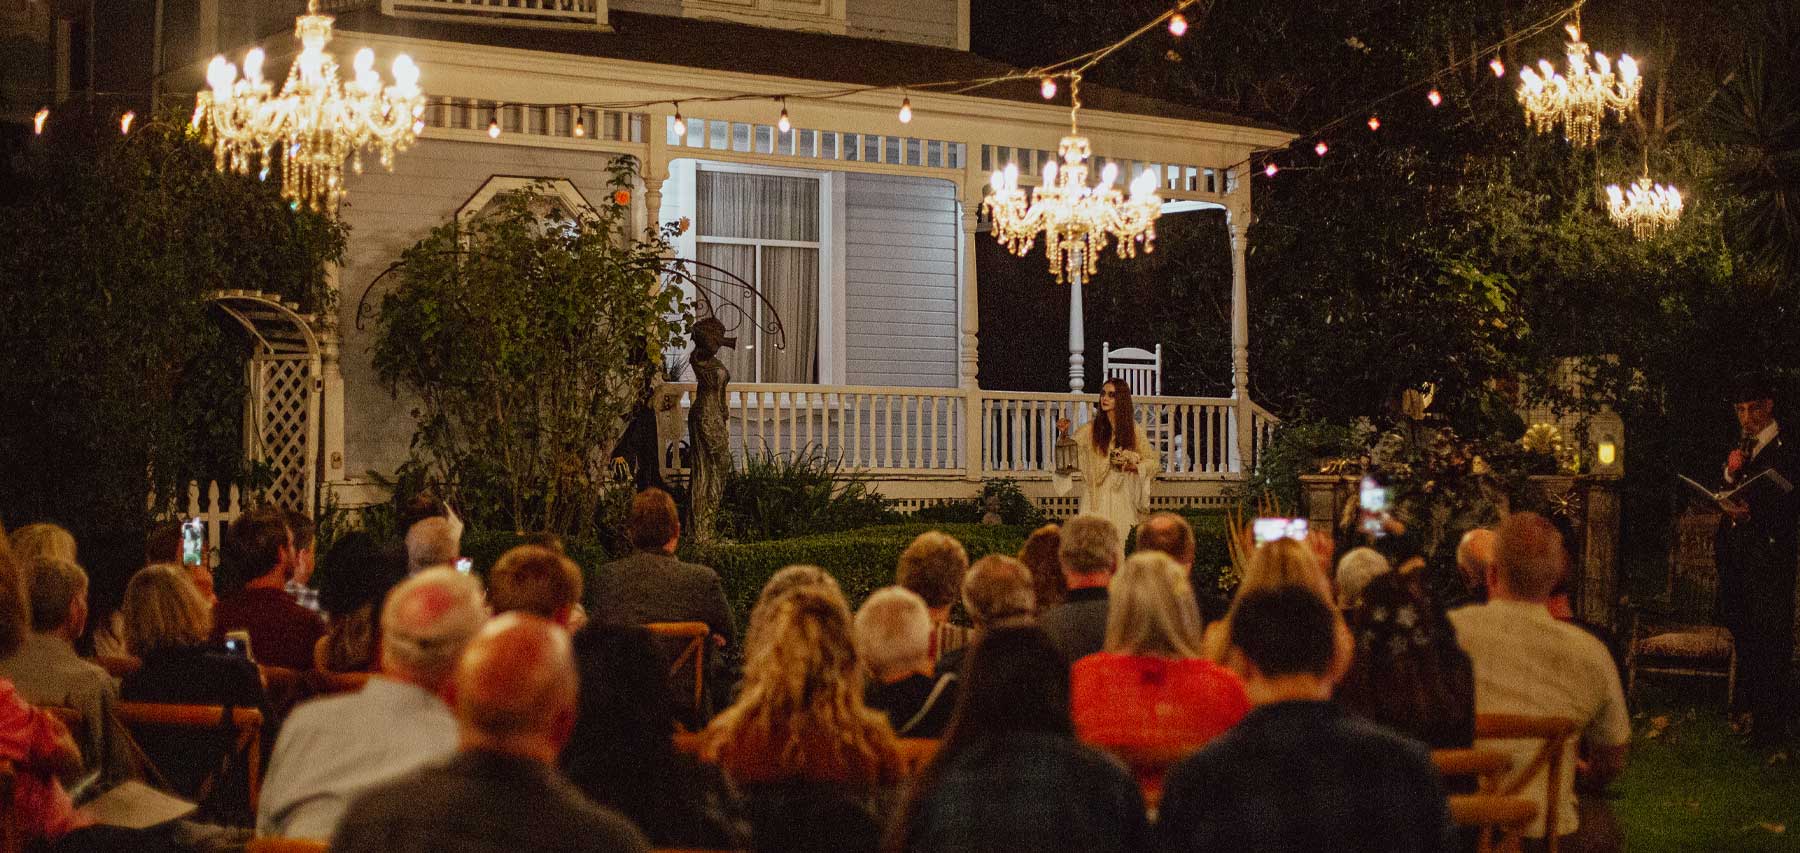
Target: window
(764,229)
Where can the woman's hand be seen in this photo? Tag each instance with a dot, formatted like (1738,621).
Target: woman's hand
(1129,467)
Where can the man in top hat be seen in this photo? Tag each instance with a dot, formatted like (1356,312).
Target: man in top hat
(1757,557)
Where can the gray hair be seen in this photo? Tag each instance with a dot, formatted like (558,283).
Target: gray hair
(998,587)
(51,585)
(1355,570)
(892,631)
(1090,545)
(431,542)
(428,619)
(1152,609)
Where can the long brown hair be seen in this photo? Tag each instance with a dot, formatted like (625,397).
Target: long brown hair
(1121,421)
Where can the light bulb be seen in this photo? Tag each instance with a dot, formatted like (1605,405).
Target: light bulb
(905,110)
(1271,169)
(199,113)
(1434,97)
(365,60)
(418,126)
(1047,88)
(1178,25)
(680,125)
(43,115)
(253,63)
(1374,123)
(494,128)
(1628,68)
(220,73)
(406,74)
(1049,173)
(1144,184)
(1012,175)
(1108,174)
(126,120)
(1498,67)
(580,126)
(783,122)
(998,181)
(1321,148)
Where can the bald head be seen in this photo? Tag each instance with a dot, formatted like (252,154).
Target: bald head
(1170,534)
(1475,555)
(515,687)
(427,621)
(1528,558)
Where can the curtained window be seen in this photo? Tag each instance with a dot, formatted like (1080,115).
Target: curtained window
(764,229)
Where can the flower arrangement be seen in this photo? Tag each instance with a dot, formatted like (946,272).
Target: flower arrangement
(1121,459)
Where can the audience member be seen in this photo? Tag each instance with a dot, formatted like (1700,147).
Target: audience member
(258,552)
(332,749)
(893,639)
(1039,554)
(515,690)
(355,578)
(42,540)
(1273,565)
(789,578)
(1298,773)
(536,580)
(1474,555)
(1354,572)
(1010,775)
(997,591)
(815,763)
(1171,534)
(1527,662)
(621,754)
(1090,552)
(46,670)
(432,542)
(1409,674)
(932,567)
(1150,686)
(299,569)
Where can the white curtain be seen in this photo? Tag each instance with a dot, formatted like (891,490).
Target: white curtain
(765,208)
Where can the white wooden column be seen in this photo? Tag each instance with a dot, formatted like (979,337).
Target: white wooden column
(331,389)
(1077,333)
(968,351)
(655,167)
(1237,220)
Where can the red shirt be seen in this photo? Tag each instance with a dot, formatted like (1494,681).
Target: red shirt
(27,739)
(282,633)
(1142,700)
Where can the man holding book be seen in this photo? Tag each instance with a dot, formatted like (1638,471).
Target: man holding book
(1756,551)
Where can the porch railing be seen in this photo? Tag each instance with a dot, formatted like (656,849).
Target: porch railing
(583,14)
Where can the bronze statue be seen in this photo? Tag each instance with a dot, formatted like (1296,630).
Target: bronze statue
(709,434)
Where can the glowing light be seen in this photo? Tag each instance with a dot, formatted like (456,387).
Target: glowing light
(1178,25)
(1271,169)
(1047,88)
(37,121)
(1498,67)
(1321,148)
(905,110)
(1580,100)
(494,128)
(1374,122)
(126,120)
(1434,97)
(1646,208)
(784,123)
(581,126)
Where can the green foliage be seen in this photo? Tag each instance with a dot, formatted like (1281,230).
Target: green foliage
(529,333)
(115,378)
(781,495)
(1014,507)
(1297,448)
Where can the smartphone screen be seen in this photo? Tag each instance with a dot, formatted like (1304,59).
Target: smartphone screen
(1267,530)
(193,541)
(465,565)
(238,643)
(1375,501)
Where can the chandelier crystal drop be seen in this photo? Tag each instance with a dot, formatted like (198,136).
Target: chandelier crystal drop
(316,122)
(1580,100)
(1646,208)
(1077,221)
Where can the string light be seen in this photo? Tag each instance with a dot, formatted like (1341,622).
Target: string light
(1321,148)
(1047,88)
(1374,122)
(1498,67)
(680,123)
(494,128)
(1178,25)
(126,120)
(905,110)
(581,126)
(783,122)
(1271,169)
(1434,97)
(37,121)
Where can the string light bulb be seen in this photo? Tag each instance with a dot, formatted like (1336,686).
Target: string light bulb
(1434,97)
(1271,169)
(580,124)
(905,110)
(1499,68)
(494,128)
(1321,148)
(126,120)
(784,123)
(1047,88)
(680,123)
(37,121)
(1374,122)
(418,126)
(1178,25)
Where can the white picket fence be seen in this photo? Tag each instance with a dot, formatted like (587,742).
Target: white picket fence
(216,507)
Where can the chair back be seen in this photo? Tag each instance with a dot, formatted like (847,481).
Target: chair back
(244,726)
(693,637)
(12,839)
(286,845)
(119,667)
(1140,368)
(1488,766)
(323,683)
(1554,735)
(1501,820)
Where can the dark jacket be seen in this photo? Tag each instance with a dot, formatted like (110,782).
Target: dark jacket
(916,706)
(1757,556)
(197,675)
(1077,627)
(649,587)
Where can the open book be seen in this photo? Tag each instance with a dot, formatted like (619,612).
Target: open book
(1768,478)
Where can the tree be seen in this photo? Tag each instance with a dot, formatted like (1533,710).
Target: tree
(529,334)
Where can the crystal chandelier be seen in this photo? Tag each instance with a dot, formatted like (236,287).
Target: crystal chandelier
(1646,208)
(1580,100)
(317,121)
(1078,221)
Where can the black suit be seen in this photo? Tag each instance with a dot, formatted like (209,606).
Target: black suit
(1756,559)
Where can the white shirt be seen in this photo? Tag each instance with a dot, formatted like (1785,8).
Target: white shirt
(1527,662)
(332,749)
(1763,437)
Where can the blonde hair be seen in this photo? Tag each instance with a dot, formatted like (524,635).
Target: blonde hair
(1152,609)
(42,540)
(800,712)
(933,566)
(1284,562)
(781,583)
(163,610)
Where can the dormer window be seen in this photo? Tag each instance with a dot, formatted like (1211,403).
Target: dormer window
(819,15)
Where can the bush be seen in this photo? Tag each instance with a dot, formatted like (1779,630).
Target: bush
(778,496)
(1014,507)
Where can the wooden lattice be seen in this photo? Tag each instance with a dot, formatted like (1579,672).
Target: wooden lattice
(283,409)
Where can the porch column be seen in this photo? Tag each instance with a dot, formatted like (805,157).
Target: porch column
(656,167)
(652,201)
(331,390)
(1237,220)
(968,354)
(1077,335)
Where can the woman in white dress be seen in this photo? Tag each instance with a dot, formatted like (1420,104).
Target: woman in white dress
(1116,460)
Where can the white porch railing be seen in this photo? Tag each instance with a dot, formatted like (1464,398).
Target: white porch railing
(584,14)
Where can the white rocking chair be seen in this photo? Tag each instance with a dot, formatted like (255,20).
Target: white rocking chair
(1142,371)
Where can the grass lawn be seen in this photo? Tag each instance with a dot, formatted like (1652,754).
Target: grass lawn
(1692,785)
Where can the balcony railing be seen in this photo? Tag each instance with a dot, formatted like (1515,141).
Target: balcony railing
(577,14)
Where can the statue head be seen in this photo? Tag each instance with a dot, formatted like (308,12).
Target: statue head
(709,337)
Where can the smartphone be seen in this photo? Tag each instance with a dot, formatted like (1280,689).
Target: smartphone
(193,542)
(1375,501)
(1268,530)
(465,565)
(238,643)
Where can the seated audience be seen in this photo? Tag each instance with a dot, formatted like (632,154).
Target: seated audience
(1010,775)
(46,670)
(1409,674)
(997,592)
(1354,572)
(1089,554)
(1273,565)
(258,552)
(515,690)
(332,749)
(1171,534)
(1039,555)
(932,567)
(1528,662)
(621,754)
(1150,686)
(789,578)
(356,576)
(893,639)
(815,764)
(300,565)
(38,745)
(433,542)
(1474,555)
(1297,773)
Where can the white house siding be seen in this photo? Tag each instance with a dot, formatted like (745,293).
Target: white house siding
(930,22)
(387,213)
(900,271)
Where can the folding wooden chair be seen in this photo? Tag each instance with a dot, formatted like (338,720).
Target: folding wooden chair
(286,845)
(1554,734)
(1488,766)
(323,683)
(246,725)
(693,652)
(1507,816)
(119,667)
